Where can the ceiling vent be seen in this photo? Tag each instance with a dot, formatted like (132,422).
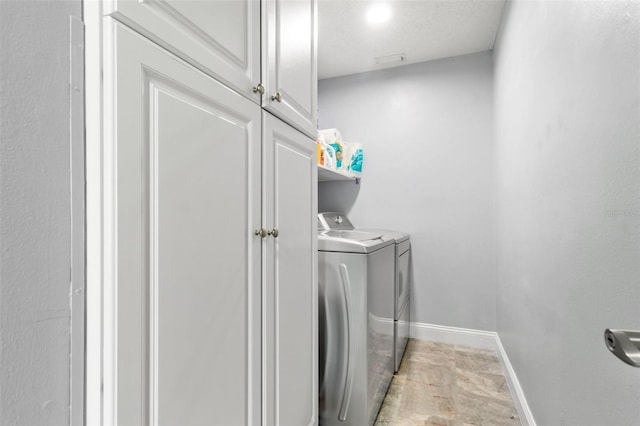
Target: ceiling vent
(398,58)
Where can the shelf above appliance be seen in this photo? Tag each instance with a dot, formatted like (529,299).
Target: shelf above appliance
(330,175)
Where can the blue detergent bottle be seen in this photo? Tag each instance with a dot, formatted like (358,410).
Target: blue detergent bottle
(356,160)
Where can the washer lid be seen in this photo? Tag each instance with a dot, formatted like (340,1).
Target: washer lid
(396,235)
(347,241)
(352,235)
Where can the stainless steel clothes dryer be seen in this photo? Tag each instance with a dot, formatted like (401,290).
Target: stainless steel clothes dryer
(402,290)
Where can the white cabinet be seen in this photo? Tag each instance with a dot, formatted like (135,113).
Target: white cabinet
(228,39)
(187,273)
(220,37)
(290,394)
(289,67)
(209,321)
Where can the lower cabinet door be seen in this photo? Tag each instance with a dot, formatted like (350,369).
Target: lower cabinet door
(182,309)
(290,385)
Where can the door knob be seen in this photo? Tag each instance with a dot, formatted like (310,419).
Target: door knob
(277,97)
(259,89)
(274,233)
(261,232)
(625,344)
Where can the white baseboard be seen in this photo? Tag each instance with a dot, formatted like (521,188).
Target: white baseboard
(479,339)
(453,335)
(524,412)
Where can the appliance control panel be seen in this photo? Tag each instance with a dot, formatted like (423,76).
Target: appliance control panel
(329,221)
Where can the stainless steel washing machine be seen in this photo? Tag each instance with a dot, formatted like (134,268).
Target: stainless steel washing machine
(356,322)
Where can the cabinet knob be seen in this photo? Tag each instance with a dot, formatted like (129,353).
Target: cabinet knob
(277,97)
(274,233)
(259,89)
(261,232)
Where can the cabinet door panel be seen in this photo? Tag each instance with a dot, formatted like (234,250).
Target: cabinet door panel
(187,271)
(220,37)
(290,63)
(290,393)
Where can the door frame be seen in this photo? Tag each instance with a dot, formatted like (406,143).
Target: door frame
(100,346)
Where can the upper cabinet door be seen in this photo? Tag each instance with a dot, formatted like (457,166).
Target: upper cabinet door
(184,172)
(220,37)
(289,37)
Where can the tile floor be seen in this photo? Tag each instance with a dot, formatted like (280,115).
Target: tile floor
(447,385)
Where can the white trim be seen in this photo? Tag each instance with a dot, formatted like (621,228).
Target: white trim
(101,364)
(479,339)
(524,412)
(453,335)
(109,226)
(92,16)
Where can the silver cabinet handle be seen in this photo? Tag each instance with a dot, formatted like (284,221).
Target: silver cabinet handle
(274,232)
(625,344)
(259,89)
(277,97)
(261,232)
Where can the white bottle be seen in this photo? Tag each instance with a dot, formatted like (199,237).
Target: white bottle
(329,156)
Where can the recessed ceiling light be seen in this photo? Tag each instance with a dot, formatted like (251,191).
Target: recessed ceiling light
(378,13)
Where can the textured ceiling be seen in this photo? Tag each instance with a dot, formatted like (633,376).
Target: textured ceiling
(421,29)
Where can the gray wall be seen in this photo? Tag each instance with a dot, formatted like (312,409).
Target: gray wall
(427,134)
(35,212)
(567,89)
